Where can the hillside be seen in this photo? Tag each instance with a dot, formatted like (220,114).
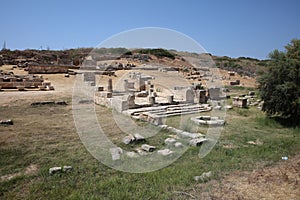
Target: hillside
(244,66)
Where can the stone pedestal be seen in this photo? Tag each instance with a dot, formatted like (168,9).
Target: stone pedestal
(189,96)
(202,96)
(110,87)
(151,100)
(170,99)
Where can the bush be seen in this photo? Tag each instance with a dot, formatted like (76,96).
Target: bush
(159,53)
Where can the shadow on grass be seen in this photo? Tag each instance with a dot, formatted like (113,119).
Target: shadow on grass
(291,122)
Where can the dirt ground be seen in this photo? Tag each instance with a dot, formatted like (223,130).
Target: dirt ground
(244,81)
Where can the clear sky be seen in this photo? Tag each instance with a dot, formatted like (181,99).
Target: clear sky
(226,27)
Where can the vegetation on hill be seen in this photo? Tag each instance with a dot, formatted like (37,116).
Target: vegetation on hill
(280,85)
(159,53)
(67,57)
(243,65)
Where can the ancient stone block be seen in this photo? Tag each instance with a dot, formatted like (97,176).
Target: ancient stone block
(170,99)
(202,96)
(197,141)
(116,153)
(139,137)
(165,152)
(110,86)
(148,148)
(189,96)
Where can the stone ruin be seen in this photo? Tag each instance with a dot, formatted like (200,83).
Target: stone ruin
(20,82)
(231,73)
(240,102)
(208,120)
(177,140)
(215,93)
(139,100)
(236,82)
(89,77)
(50,69)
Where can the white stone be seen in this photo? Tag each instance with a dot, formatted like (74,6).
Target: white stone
(197,141)
(228,107)
(204,177)
(139,137)
(148,148)
(54,170)
(141,152)
(165,152)
(170,140)
(218,107)
(178,144)
(163,126)
(67,168)
(128,139)
(116,153)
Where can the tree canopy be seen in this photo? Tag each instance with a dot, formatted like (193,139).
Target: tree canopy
(280,85)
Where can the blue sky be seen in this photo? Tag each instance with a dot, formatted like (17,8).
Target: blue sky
(232,28)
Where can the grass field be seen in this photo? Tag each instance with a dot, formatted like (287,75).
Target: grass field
(45,136)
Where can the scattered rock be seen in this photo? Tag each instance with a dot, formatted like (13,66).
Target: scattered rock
(257,142)
(67,168)
(163,126)
(284,158)
(204,177)
(218,107)
(184,134)
(139,137)
(251,93)
(141,152)
(148,148)
(170,141)
(128,139)
(6,122)
(197,141)
(228,107)
(54,170)
(251,142)
(50,87)
(208,120)
(116,153)
(178,144)
(165,152)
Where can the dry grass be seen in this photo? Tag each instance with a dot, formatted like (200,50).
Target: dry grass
(281,181)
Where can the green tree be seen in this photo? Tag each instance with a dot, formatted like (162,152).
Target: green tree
(280,85)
